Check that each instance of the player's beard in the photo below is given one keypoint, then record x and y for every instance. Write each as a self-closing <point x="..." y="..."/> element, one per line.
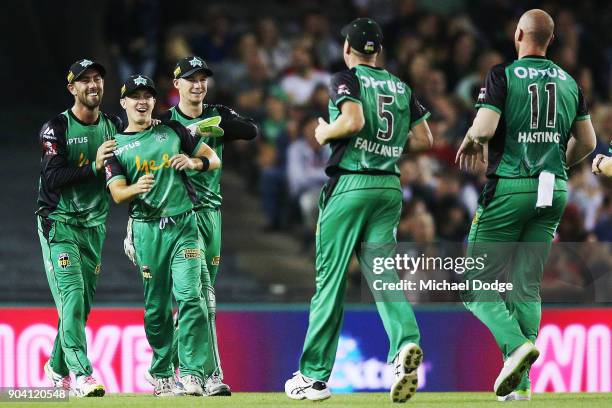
<point x="89" y="103"/>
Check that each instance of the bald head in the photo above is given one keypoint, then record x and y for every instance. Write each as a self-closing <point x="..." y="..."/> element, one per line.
<point x="537" y="28"/>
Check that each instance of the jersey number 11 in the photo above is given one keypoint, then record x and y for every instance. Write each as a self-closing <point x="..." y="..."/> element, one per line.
<point x="551" y="104"/>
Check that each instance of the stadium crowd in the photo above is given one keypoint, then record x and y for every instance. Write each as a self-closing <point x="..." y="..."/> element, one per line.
<point x="276" y="69"/>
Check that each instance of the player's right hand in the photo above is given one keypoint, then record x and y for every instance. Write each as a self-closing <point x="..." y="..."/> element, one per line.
<point x="105" y="152"/>
<point x="596" y="166"/>
<point x="144" y="184"/>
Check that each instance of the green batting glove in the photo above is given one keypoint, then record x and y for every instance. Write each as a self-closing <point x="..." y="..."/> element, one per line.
<point x="209" y="127"/>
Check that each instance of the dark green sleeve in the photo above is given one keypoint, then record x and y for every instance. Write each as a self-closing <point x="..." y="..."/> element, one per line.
<point x="189" y="143"/>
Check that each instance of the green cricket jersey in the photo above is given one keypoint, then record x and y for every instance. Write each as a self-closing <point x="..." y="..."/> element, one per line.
<point x="208" y="184"/>
<point x="538" y="103"/>
<point x="149" y="152"/>
<point x="390" y="109"/>
<point x="69" y="189"/>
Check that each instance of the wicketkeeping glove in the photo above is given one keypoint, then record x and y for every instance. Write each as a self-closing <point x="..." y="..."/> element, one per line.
<point x="128" y="243"/>
<point x="208" y="127"/>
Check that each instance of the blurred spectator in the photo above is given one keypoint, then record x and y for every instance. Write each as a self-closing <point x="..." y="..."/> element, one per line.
<point x="273" y="50"/>
<point x="469" y="86"/>
<point x="462" y="55"/>
<point x="327" y="47"/>
<point x="215" y="44"/>
<point x="302" y="79"/>
<point x="585" y="193"/>
<point x="319" y="101"/>
<point x="306" y="161"/>
<point x="132" y="29"/>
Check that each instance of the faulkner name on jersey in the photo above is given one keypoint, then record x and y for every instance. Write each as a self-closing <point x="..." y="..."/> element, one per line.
<point x="377" y="148"/>
<point x="539" y="137"/>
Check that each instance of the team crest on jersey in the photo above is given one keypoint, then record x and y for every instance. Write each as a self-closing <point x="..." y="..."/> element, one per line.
<point x="343" y="89"/>
<point x="161" y="137"/>
<point x="63" y="260"/>
<point x="216" y="260"/>
<point x="481" y="95"/>
<point x="192" y="253"/>
<point x="146" y="272"/>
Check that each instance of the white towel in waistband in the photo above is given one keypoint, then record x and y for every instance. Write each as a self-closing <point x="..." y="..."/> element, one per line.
<point x="546" y="187"/>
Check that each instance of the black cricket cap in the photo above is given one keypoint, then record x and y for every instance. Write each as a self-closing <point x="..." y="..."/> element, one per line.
<point x="80" y="66"/>
<point x="363" y="35"/>
<point x="189" y="66"/>
<point x="135" y="82"/>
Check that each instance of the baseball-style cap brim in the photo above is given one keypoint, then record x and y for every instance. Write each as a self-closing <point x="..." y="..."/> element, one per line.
<point x="189" y="73"/>
<point x="128" y="92"/>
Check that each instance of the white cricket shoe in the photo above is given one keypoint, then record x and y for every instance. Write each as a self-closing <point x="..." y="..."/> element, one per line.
<point x="162" y="386"/>
<point x="59" y="381"/>
<point x="189" y="385"/>
<point x="517" y="363"/>
<point x="518" y="395"/>
<point x="214" y="387"/>
<point x="87" y="386"/>
<point x="406" y="364"/>
<point x="300" y="387"/>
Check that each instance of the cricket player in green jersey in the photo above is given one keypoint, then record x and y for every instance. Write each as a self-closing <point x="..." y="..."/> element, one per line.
<point x="535" y="122"/>
<point x="73" y="206"/>
<point x="148" y="170"/>
<point x="371" y="113"/>
<point x="218" y="125"/>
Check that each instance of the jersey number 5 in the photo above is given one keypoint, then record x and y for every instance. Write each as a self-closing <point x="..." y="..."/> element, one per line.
<point x="385" y="116"/>
<point x="551" y="104"/>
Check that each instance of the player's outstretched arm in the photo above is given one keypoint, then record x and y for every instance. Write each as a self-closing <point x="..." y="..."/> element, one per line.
<point x="582" y="142"/>
<point x="471" y="151"/>
<point x="347" y="124"/>
<point x="122" y="192"/>
<point x="484" y="126"/>
<point x="421" y="138"/>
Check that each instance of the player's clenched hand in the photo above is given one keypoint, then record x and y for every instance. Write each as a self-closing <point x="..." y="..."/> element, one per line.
<point x="105" y="152"/>
<point x="321" y="131"/>
<point x="469" y="155"/>
<point x="182" y="162"/>
<point x="144" y="184"/>
<point x="597" y="161"/>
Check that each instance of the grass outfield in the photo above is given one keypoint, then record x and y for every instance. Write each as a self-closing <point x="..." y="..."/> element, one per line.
<point x="273" y="400"/>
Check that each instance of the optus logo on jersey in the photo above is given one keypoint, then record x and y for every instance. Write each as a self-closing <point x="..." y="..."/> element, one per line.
<point x="148" y="165"/>
<point x="523" y="72"/>
<point x="391" y="86"/>
<point x="127" y="147"/>
<point x="77" y="140"/>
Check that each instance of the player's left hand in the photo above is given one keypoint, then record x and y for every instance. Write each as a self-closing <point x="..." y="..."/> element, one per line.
<point x="470" y="155"/>
<point x="182" y="162"/>
<point x="321" y="131"/>
<point x="155" y="122"/>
